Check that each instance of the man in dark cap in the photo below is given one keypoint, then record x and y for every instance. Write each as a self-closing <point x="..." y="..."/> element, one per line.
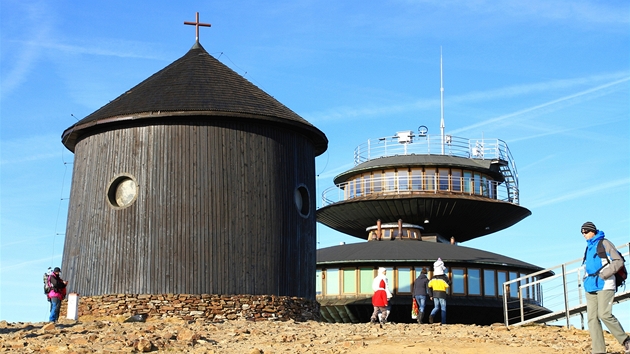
<point x="57" y="293"/>
<point x="600" y="287"/>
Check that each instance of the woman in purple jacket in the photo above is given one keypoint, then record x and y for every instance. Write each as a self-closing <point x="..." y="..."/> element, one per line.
<point x="57" y="293"/>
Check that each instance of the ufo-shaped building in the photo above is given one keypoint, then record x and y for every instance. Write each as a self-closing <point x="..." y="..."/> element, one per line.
<point x="414" y="197"/>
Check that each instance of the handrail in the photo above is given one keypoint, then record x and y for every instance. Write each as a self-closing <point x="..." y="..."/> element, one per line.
<point x="561" y="293"/>
<point x="418" y="185"/>
<point x="484" y="149"/>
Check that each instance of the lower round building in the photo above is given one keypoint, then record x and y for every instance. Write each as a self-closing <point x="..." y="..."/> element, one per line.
<point x="444" y="189"/>
<point x="345" y="273"/>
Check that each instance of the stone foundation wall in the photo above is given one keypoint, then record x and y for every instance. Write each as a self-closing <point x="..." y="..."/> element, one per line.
<point x="208" y="307"/>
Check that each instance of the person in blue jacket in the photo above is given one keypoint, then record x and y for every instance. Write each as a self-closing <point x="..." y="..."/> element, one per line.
<point x="599" y="285"/>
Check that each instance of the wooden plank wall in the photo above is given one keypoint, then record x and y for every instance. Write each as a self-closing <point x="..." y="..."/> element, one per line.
<point x="215" y="211"/>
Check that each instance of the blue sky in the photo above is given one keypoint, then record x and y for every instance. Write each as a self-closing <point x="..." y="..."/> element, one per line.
<point x="549" y="77"/>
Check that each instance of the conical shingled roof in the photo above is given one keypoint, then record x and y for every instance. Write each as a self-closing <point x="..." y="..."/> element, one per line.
<point x="195" y="84"/>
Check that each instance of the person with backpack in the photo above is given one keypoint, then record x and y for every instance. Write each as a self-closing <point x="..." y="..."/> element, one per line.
<point x="437" y="290"/>
<point x="600" y="286"/>
<point x="47" y="284"/>
<point x="56" y="294"/>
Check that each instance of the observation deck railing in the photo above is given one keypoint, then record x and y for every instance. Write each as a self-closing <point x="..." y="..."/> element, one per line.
<point x="406" y="143"/>
<point x="483" y="149"/>
<point x="387" y="186"/>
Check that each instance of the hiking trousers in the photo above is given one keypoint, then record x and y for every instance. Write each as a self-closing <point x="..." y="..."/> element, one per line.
<point x="599" y="307"/>
<point x="54" y="309"/>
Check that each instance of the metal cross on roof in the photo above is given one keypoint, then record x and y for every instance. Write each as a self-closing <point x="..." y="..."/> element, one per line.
<point x="197" y="24"/>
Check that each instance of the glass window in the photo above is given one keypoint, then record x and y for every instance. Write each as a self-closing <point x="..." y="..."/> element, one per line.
<point x="489" y="288"/>
<point x="484" y="186"/>
<point x="467" y="181"/>
<point x="390" y="181"/>
<point x="430" y="176"/>
<point x="477" y="183"/>
<point x="390" y="277"/>
<point x="416" y="180"/>
<point x="403" y="180"/>
<point x="376" y="182"/>
<point x="350" y="189"/>
<point x="513" y="286"/>
<point x="458" y="281"/>
<point x="474" y="282"/>
<point x="366" y="278"/>
<point x="332" y="281"/>
<point x="318" y="282"/>
<point x="358" y="187"/>
<point x="501" y="278"/>
<point x="492" y="189"/>
<point x="404" y="280"/>
<point x="443" y="178"/>
<point x="456" y="180"/>
<point x="349" y="281"/>
<point x="368" y="180"/>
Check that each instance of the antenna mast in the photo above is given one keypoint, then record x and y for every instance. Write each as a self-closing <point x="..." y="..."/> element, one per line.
<point x="441" y="102"/>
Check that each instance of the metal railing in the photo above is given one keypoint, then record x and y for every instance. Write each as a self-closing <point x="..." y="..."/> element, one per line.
<point x="484" y="149"/>
<point x="562" y="294"/>
<point x="415" y="185"/>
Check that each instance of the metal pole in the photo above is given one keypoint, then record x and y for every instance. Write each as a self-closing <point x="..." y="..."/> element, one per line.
<point x="505" y="306"/>
<point x="566" y="295"/>
<point x="441" y="102"/>
<point x="520" y="298"/>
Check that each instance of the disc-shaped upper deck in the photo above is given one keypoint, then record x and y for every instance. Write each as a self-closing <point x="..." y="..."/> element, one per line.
<point x="464" y="188"/>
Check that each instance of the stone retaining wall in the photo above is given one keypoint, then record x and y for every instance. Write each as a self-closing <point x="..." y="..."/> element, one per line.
<point x="192" y="307"/>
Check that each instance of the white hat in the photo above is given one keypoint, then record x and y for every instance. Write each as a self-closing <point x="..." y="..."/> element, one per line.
<point x="438" y="267"/>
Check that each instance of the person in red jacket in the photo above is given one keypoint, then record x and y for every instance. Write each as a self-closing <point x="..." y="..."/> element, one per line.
<point x="381" y="297"/>
<point x="57" y="293"/>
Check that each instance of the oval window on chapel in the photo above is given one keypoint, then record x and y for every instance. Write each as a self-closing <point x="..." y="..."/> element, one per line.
<point x="122" y="191"/>
<point x="302" y="201"/>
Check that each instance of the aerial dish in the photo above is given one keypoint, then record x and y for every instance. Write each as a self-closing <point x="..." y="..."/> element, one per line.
<point x="423" y="130"/>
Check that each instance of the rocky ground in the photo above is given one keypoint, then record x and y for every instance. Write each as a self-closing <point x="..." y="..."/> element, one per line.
<point x="114" y="336"/>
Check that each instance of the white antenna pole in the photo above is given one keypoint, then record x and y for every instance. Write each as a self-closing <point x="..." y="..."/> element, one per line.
<point x="441" y="102"/>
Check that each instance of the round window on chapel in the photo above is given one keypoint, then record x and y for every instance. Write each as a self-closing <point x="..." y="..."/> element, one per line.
<point x="302" y="201"/>
<point x="122" y="192"/>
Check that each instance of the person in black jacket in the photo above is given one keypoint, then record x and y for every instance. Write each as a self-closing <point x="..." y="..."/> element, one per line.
<point x="420" y="292"/>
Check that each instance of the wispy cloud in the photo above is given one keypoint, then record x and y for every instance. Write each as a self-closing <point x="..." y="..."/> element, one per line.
<point x="339" y="113"/>
<point x="42" y="41"/>
<point x="611" y="81"/>
<point x="527" y="89"/>
<point x="546" y="131"/>
<point x="575" y="12"/>
<point x="28" y="54"/>
<point x="112" y="48"/>
<point x="27" y="263"/>
<point x="34" y="148"/>
<point x="597" y="189"/>
<point x="574" y="98"/>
